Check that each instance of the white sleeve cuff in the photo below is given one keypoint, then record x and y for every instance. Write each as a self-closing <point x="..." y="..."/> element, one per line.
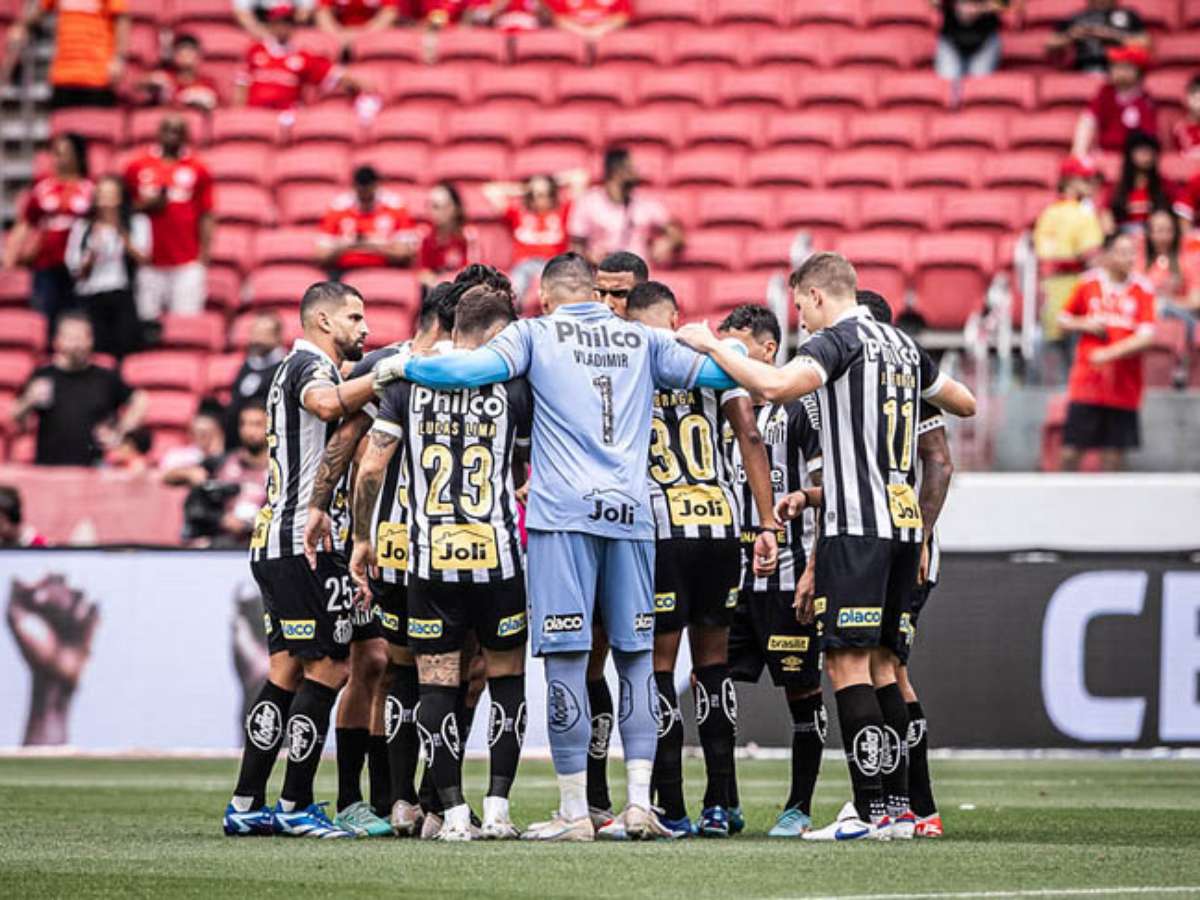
<point x="313" y="384"/>
<point x="935" y="388"/>
<point x="388" y="428"/>
<point x="813" y="363"/>
<point x="814" y="464"/>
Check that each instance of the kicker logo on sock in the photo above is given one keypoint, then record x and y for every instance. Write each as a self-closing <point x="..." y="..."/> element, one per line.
<point x="916" y="732"/>
<point x="299" y="629"/>
<point x="784" y="643"/>
<point x="561" y="624"/>
<point x="302" y="738"/>
<point x="511" y="625"/>
<point x="860" y="617"/>
<point x="868" y="750"/>
<point x="643" y="622"/>
<point x="562" y="709"/>
<point x="601" y="733"/>
<point x="664" y="603"/>
<point x="264" y="725"/>
<point x="424" y="628"/>
<point x="892" y="750"/>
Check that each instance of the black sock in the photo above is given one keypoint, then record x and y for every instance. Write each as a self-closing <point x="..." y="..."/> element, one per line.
<point x="263" y="731"/>
<point x="400" y="723"/>
<point x="380" y="771"/>
<point x="306" y="729"/>
<point x="716" y="719"/>
<point x="809" y="725"/>
<point x="506" y="731"/>
<point x="427" y="792"/>
<point x="920" y="788"/>
<point x="666" y="780"/>
<point x="735" y="797"/>
<point x="352" y="746"/>
<point x="600" y="701"/>
<point x="465" y="716"/>
<point x="895" y="764"/>
<point x="862" y="738"/>
<point x="438" y="724"/>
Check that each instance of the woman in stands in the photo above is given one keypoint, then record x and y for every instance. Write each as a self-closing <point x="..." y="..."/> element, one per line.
<point x="104" y="249"/>
<point x="447" y="242"/>
<point x="1140" y="189"/>
<point x="1176" y="277"/>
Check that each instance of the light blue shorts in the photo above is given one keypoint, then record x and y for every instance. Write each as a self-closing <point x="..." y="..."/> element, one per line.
<point x="571" y="576"/>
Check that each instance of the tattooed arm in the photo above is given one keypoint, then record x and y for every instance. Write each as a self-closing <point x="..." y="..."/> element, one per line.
<point x="937" y="467"/>
<point x="381" y="445"/>
<point x="334" y="463"/>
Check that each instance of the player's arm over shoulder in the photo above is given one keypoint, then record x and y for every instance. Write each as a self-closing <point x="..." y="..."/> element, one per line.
<point x="943" y="391"/>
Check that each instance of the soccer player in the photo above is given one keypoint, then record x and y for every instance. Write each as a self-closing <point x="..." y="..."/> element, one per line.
<point x="698" y="567"/>
<point x="869" y="378"/>
<point x="308" y="621"/>
<point x="766" y="631"/>
<point x="590" y="528"/>
<point x="465" y="564"/>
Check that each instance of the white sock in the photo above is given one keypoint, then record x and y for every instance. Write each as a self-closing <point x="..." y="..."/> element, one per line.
<point x="287" y="805"/>
<point x="572" y="790"/>
<point x="242" y="804"/>
<point x="637" y="780"/>
<point x="458" y="816"/>
<point x="495" y="809"/>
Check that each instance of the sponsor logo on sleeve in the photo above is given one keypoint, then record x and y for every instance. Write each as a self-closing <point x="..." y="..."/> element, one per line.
<point x="299" y="629"/>
<point x="860" y="617"/>
<point x="424" y="628"/>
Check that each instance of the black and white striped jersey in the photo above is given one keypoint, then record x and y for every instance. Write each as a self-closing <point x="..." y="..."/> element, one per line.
<point x="389" y="527"/>
<point x="874" y="377"/>
<point x="931" y="419"/>
<point x="462" y="509"/>
<point x="691" y="489"/>
<point x="296" y="440"/>
<point x="791" y="436"/>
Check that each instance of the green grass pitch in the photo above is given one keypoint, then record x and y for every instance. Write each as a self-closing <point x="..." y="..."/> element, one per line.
<point x="134" y="828"/>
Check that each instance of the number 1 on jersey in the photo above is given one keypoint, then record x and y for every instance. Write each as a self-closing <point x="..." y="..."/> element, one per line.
<point x="603" y="384"/>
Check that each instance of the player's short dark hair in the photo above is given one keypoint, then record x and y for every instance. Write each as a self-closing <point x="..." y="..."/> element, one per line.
<point x="570" y="269"/>
<point x="614" y="158"/>
<point x="330" y="294"/>
<point x="185" y="39"/>
<point x="831" y="272"/>
<point x="480" y="308"/>
<point x="761" y="321"/>
<point x="648" y="294"/>
<point x="624" y="261"/>
<point x="433" y="304"/>
<point x="479" y="273"/>
<point x="365" y="175"/>
<point x="880" y="309"/>
<point x="10" y="503"/>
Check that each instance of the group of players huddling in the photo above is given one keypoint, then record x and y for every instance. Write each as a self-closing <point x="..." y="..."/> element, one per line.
<point x="672" y="479"/>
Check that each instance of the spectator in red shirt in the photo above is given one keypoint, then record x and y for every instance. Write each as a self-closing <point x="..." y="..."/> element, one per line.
<point x="1140" y="189"/>
<point x="536" y="214"/>
<point x="365" y="227"/>
<point x="347" y="20"/>
<point x="179" y="83"/>
<point x="1187" y="129"/>
<point x="252" y="14"/>
<point x="447" y="242"/>
<point x="277" y="72"/>
<point x="39" y="238"/>
<point x="1121" y="106"/>
<point x="1112" y="311"/>
<point x="590" y="19"/>
<point x="174" y="189"/>
<point x="14" y="530"/>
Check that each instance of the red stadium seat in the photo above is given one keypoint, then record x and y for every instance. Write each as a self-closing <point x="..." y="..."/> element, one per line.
<point x="562" y="126"/>
<point x="281" y="285"/>
<point x="610" y="85"/>
<point x="286" y="245"/>
<point x="156" y="12"/>
<point x="722" y="126"/>
<point x="170" y="409"/>
<point x="894" y="129"/>
<point x="393" y="287"/>
<point x="103" y="125"/>
<point x="899" y="12"/>
<point x="408" y="123"/>
<point x="1175" y="50"/>
<point x="897" y="209"/>
<point x="764" y="12"/>
<point x="1163" y="14"/>
<point x="982" y="209"/>
<point x="245" y="124"/>
<point x="939" y="168"/>
<point x="189" y="12"/>
<point x="807" y="46"/>
<point x="531" y="83"/>
<point x="878" y="250"/>
<point x="327" y="122"/>
<point x="651" y="164"/>
<point x="450" y="84"/>
<point x="205" y="331"/>
<point x="396" y="161"/>
<point x="713" y="249"/>
<point x="224" y="287"/>
<point x="641" y="126"/>
<point x="223" y="41"/>
<point x="388" y="326"/>
<point x="220" y="371"/>
<point x="15" y="369"/>
<point x="390" y="45"/>
<point x="1029" y="168"/>
<point x="785" y="165"/>
<point x="305" y="204"/>
<point x="846" y="12"/>
<point x="549" y="45"/>
<point x="1191" y="13"/>
<point x="670" y="11"/>
<point x="872" y="168"/>
<point x="243" y="203"/>
<point x="725" y="166"/>
<point x="311" y="163"/>
<point x="821" y="209"/>
<point x="499" y="124"/>
<point x="688" y="288"/>
<point x="469" y="162"/>
<point x="817" y="128"/>
<point x="176" y="369"/>
<point x="1048" y="13"/>
<point x="686" y="85"/>
<point x="634" y="45"/>
<point x="1054" y="129"/>
<point x="16" y="288"/>
<point x="1168" y="87"/>
<point x="836" y="88"/>
<point x="911" y="89"/>
<point x="952" y="276"/>
<point x="963" y="128"/>
<point x="769" y="250"/>
<point x="1027" y="49"/>
<point x="879" y="50"/>
<point x="233" y="245"/>
<point x="727" y="291"/>
<point x="538" y="160"/>
<point x="143" y="125"/>
<point x="458" y="44"/>
<point x="705" y="46"/>
<point x="239" y="333"/>
<point x="1012" y="89"/>
<point x="238" y="162"/>
<point x="1070" y="89"/>
<point x="144" y="44"/>
<point x="735" y="207"/>
<point x="770" y="86"/>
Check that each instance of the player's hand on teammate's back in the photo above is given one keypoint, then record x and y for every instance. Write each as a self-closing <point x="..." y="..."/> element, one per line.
<point x="698" y="336"/>
<point x="391" y="369"/>
<point x="318" y="536"/>
<point x="363" y="569"/>
<point x="790" y="506"/>
<point x="766" y="553"/>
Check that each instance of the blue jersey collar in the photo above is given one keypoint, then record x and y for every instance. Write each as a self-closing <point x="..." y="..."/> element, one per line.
<point x="591" y="309"/>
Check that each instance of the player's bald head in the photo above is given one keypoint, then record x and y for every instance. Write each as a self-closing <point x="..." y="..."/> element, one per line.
<point x="325" y="296"/>
<point x="567" y="278"/>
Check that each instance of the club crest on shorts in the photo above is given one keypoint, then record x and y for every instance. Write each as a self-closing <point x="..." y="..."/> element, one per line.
<point x="264" y="725"/>
<point x="343" y="630"/>
<point x="601" y="735"/>
<point x="302" y="738"/>
<point x="562" y="709"/>
<point x="868" y="750"/>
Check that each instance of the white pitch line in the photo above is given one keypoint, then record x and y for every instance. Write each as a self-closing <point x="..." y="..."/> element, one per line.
<point x="1040" y="892"/>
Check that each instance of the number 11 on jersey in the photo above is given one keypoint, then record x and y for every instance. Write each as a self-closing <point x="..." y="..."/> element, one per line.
<point x="603" y="384"/>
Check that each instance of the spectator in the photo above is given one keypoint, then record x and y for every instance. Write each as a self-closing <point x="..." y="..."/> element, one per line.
<point x="517" y="15"/>
<point x="365" y="227"/>
<point x="90" y="45"/>
<point x="244" y="468"/>
<point x="264" y="353"/>
<point x="186" y="465"/>
<point x="252" y="14"/>
<point x="590" y="19"/>
<point x="277" y="72"/>
<point x="175" y="190"/>
<point x="1112" y="311"/>
<point x="447" y="242"/>
<point x="82" y="408"/>
<point x="179" y="82"/>
<point x="346" y="20"/>
<point x="536" y="216"/>
<point x="39" y="239"/>
<point x="1140" y="188"/>
<point x="969" y="42"/>
<point x="132" y="452"/>
<point x="1066" y="236"/>
<point x="14" y="531"/>
<point x="1120" y="108"/>
<point x="612" y="216"/>
<point x="1187" y="129"/>
<point x="104" y="251"/>
<point x="1100" y="28"/>
<point x="616" y="276"/>
<point x="1174" y="276"/>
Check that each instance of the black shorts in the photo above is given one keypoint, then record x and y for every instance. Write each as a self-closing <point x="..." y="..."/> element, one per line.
<point x="391" y="608"/>
<point x="311" y="614"/>
<point x="440" y="613"/>
<point x="908" y="620"/>
<point x="765" y="632"/>
<point x="1092" y="427"/>
<point x="864" y="586"/>
<point x="695" y="583"/>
